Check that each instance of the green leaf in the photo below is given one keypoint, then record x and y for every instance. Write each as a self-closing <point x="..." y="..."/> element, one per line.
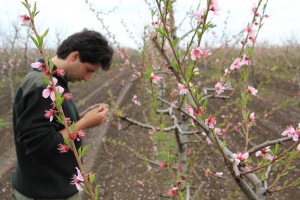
<point x="45" y="33"/>
<point x="96" y="192"/>
<point x="153" y="12"/>
<point x="36" y="13"/>
<point x="51" y="65"/>
<point x="175" y="41"/>
<point x="148" y="72"/>
<point x="73" y="128"/>
<point x="161" y="32"/>
<point x="92" y="178"/>
<point x="175" y="65"/>
<point x="35" y="41"/>
<point x="189" y="73"/>
<point x="82" y="151"/>
<point x="205" y="104"/>
<point x="34" y="9"/>
<point x="59" y="100"/>
<point x="84" y="189"/>
<point x="149" y="91"/>
<point x="40" y="40"/>
<point x="67" y="142"/>
<point x="24" y="4"/>
<point x="198" y="33"/>
<point x="59" y="119"/>
<point x="199" y="96"/>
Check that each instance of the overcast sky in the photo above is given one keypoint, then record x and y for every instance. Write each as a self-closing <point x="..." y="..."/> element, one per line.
<point x="68" y="16"/>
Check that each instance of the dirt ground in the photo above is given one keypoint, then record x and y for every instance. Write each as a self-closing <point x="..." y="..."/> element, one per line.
<point x="123" y="172"/>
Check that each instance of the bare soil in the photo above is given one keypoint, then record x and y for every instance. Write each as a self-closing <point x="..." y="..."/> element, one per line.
<point x="120" y="155"/>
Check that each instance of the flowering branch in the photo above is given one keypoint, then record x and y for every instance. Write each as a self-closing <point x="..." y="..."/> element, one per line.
<point x="55" y="92"/>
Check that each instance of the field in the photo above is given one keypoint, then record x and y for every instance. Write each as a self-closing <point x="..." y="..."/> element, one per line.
<point x="124" y="155"/>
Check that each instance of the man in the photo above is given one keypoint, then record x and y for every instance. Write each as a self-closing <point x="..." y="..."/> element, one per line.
<point x="42" y="171"/>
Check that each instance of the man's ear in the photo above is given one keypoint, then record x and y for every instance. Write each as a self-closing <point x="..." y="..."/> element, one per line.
<point x="74" y="55"/>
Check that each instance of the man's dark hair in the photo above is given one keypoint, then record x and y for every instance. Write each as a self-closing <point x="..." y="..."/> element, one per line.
<point x="91" y="45"/>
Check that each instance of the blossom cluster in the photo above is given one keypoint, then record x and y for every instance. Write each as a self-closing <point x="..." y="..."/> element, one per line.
<point x="290" y="131"/>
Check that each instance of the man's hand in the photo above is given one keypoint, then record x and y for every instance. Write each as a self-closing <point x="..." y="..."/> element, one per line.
<point x="93" y="116"/>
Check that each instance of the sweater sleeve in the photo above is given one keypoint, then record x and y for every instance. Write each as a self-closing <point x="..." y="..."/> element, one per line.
<point x="33" y="131"/>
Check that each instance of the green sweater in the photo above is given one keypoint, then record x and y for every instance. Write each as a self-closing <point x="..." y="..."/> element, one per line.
<point x="41" y="172"/>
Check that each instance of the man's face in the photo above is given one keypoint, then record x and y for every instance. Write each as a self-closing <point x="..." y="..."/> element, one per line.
<point x="78" y="71"/>
<point x="81" y="71"/>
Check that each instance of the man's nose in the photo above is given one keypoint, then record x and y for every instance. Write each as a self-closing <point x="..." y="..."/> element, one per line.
<point x="87" y="77"/>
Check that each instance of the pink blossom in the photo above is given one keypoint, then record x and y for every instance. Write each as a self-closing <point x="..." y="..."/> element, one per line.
<point x="63" y="148"/>
<point x="200" y="15"/>
<point x="250" y="29"/>
<point x="219" y="88"/>
<point x="237" y="63"/>
<point x="264" y="152"/>
<point x="252" y="118"/>
<point x="211" y="121"/>
<point x="226" y="72"/>
<point x="155" y="78"/>
<point x="199" y="111"/>
<point x="81" y="133"/>
<point x="140" y="183"/>
<point x="77" y="180"/>
<point x="219" y="174"/>
<point x="240" y="157"/>
<point x="68" y="96"/>
<point x="163" y="165"/>
<point x="126" y="62"/>
<point x="254" y="7"/>
<point x="246" y="60"/>
<point x="207" y="172"/>
<point x="36" y="65"/>
<point x="189" y="152"/>
<point x="182" y="89"/>
<point x="252" y="90"/>
<point x="49" y="114"/>
<point x="190" y="110"/>
<point x="59" y="72"/>
<point x="214" y="7"/>
<point x="206" y="53"/>
<point x="252" y="38"/>
<point x="135" y="100"/>
<point x="198" y="53"/>
<point x="68" y="121"/>
<point x="155" y="24"/>
<point x="173" y="191"/>
<point x="72" y="136"/>
<point x="180" y="182"/>
<point x="25" y="19"/>
<point x="289" y="131"/>
<point x="218" y="131"/>
<point x="46" y="72"/>
<point x="296" y="136"/>
<point x="50" y="92"/>
<point x="119" y="126"/>
<point x="208" y="141"/>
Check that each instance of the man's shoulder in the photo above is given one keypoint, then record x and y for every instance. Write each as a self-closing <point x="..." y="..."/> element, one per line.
<point x="32" y="80"/>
